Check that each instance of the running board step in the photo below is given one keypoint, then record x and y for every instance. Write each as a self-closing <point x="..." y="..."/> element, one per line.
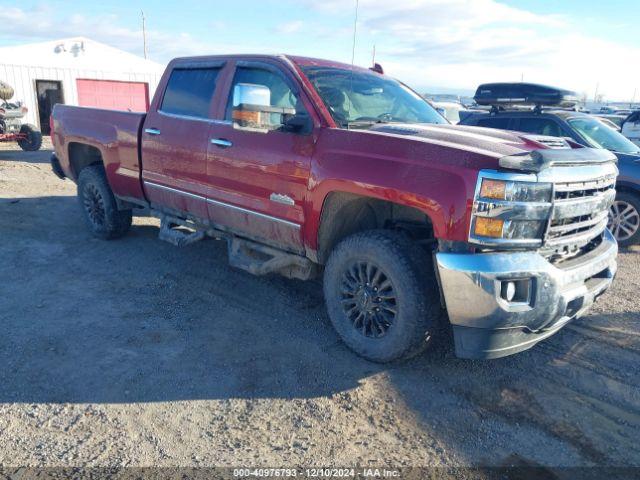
<point x="259" y="259"/>
<point x="171" y="232"/>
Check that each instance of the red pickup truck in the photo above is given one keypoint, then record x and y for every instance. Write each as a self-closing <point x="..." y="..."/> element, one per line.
<point x="310" y="167"/>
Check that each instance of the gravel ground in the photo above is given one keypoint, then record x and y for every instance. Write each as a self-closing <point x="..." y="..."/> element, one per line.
<point x="137" y="353"/>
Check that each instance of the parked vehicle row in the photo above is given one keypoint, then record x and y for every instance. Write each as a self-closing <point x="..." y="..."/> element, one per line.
<point x="310" y="167"/>
<point x="550" y="120"/>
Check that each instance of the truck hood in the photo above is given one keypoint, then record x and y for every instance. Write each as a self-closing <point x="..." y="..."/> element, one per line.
<point x="484" y="141"/>
<point x="513" y="150"/>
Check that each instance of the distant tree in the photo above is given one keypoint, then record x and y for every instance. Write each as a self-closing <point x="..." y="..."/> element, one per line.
<point x="584" y="96"/>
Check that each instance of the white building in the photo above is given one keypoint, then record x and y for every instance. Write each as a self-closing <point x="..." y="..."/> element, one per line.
<point x="77" y="71"/>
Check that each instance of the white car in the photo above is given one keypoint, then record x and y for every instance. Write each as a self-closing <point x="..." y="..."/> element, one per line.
<point x="631" y="128"/>
<point x="608" y="110"/>
<point x="449" y="110"/>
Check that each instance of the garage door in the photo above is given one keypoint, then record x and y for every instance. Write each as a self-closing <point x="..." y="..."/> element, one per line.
<point x="113" y="95"/>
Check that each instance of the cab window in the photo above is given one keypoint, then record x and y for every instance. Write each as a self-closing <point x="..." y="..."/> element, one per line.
<point x="501" y="123"/>
<point x="189" y="92"/>
<point x="280" y="93"/>
<point x="540" y="126"/>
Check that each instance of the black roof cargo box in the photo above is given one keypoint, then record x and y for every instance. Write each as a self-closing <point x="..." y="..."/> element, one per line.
<point x="497" y="94"/>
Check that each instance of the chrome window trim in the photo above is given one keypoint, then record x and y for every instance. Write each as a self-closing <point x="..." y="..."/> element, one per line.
<point x="180" y="116"/>
<point x="223" y="204"/>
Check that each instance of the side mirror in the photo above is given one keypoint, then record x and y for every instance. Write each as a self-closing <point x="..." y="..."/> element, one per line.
<point x="298" y="123"/>
<point x="252" y="109"/>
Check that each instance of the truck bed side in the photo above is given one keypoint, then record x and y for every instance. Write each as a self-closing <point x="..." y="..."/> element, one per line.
<point x="83" y="136"/>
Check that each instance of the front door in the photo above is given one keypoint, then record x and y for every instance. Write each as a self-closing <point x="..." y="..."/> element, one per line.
<point x="259" y="179"/>
<point x="49" y="93"/>
<point x="175" y="141"/>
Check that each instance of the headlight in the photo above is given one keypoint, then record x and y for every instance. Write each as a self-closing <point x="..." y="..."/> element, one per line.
<point x="510" y="212"/>
<point x="508" y="229"/>
<point x="523" y="229"/>
<point x="515" y="191"/>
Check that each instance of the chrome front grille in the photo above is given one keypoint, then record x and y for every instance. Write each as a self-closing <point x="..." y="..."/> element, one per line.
<point x="579" y="214"/>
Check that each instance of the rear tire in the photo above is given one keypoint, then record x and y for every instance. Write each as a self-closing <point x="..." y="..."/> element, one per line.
<point x="381" y="295"/>
<point x="99" y="207"/>
<point x="33" y="142"/>
<point x="624" y="219"/>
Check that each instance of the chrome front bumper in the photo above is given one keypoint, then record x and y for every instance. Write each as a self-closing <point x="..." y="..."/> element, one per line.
<point x="485" y="325"/>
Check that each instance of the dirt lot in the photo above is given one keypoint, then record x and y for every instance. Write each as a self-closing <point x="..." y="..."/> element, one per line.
<point x="134" y="352"/>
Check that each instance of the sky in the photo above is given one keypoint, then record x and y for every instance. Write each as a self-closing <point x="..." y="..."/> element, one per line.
<point x="435" y="46"/>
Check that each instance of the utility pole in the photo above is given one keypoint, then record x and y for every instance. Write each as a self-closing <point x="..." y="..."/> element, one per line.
<point x="633" y="99"/>
<point x="373" y="57"/>
<point x="355" y="29"/>
<point x="144" y="35"/>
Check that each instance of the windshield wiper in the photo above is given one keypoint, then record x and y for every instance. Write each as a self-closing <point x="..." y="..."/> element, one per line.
<point x="369" y="123"/>
<point x="362" y="123"/>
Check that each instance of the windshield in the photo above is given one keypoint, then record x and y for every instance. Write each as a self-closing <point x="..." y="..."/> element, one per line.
<point x="360" y="99"/>
<point x="601" y="136"/>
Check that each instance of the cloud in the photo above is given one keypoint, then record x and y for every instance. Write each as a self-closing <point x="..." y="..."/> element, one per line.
<point x="43" y="23"/>
<point x="290" y="27"/>
<point x="454" y="43"/>
<point x="461" y="43"/>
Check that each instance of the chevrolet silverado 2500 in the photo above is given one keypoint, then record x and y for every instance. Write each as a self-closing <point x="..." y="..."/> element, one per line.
<point x="310" y="167"/>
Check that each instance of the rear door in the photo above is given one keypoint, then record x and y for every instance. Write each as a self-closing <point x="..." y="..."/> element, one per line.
<point x="175" y="139"/>
<point x="259" y="179"/>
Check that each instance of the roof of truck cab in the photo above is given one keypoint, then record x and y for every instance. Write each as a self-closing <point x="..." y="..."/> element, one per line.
<point x="319" y="62"/>
<point x="298" y="60"/>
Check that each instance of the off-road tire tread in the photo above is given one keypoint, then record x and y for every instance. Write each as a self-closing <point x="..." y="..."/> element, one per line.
<point x="118" y="222"/>
<point x="421" y="295"/>
<point x="37" y="135"/>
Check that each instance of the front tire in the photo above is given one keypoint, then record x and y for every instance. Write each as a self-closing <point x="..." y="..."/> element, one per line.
<point x="99" y="207"/>
<point x="33" y="142"/>
<point x="624" y="219"/>
<point x="381" y="295"/>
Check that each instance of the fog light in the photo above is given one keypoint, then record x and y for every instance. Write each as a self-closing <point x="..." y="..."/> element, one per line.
<point x="488" y="227"/>
<point x="516" y="291"/>
<point x="509" y="290"/>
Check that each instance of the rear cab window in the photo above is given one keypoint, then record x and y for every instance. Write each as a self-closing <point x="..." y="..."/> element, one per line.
<point x="540" y="126"/>
<point x="189" y="92"/>
<point x="501" y="123"/>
